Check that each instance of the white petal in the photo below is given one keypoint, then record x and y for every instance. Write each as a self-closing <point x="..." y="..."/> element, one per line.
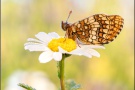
<point x="35" y="47"/>
<point x="37" y="41"/>
<point x="62" y="50"/>
<point x="75" y="52"/>
<point x="53" y="35"/>
<point x="83" y="50"/>
<point x="43" y="37"/>
<point x="90" y="52"/>
<point x="97" y="46"/>
<point x="34" y="40"/>
<point x="94" y="53"/>
<point x="57" y="56"/>
<point x="85" y="53"/>
<point x="46" y="57"/>
<point x="92" y="46"/>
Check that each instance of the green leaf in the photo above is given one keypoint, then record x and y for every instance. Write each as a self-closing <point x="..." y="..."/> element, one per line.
<point x="71" y="85"/>
<point x="26" y="86"/>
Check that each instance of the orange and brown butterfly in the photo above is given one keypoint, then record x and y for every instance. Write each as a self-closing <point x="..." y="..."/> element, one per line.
<point x="96" y="29"/>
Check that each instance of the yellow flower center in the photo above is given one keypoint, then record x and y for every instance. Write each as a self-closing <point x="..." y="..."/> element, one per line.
<point x="64" y="43"/>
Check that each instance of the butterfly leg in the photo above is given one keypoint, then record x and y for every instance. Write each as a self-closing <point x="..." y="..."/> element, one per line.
<point x="76" y="39"/>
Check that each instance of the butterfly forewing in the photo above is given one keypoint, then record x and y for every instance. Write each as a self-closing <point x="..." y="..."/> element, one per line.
<point x="96" y="29"/>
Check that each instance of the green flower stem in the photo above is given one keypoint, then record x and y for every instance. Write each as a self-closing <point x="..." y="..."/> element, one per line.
<point x="61" y="71"/>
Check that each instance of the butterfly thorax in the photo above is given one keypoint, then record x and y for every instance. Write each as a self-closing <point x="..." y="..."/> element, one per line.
<point x="69" y="31"/>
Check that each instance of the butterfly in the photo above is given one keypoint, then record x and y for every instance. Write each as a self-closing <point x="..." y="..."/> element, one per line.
<point x="96" y="29"/>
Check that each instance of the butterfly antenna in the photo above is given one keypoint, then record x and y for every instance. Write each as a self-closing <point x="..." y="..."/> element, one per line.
<point x="69" y="15"/>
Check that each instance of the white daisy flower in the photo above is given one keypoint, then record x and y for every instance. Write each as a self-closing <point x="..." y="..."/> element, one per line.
<point x="53" y="46"/>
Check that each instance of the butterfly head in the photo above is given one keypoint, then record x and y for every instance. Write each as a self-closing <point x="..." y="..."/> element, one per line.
<point x="64" y="25"/>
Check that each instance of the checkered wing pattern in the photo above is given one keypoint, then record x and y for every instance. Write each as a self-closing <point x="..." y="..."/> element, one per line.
<point x="96" y="29"/>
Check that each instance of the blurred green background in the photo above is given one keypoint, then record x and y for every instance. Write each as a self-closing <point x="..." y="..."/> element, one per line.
<point x="21" y="19"/>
